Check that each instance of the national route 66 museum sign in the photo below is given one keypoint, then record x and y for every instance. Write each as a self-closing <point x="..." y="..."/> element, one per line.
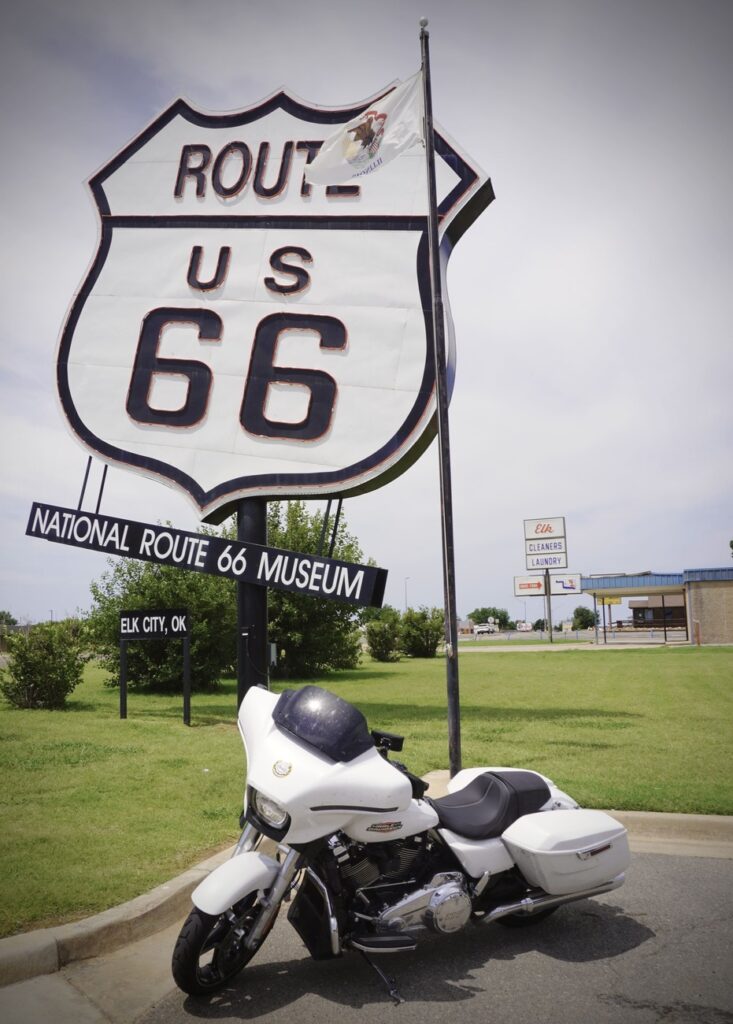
<point x="242" y="332"/>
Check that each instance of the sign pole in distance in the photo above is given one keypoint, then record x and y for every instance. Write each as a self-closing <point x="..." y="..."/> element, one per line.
<point x="446" y="498"/>
<point x="123" y="678"/>
<point x="187" y="680"/>
<point x="549" y="603"/>
<point x="251" y="603"/>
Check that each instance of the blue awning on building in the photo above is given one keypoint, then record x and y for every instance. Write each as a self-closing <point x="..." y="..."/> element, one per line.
<point x="643" y="583"/>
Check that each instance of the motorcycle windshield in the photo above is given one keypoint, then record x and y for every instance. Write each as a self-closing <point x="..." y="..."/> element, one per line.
<point x="324" y="721"/>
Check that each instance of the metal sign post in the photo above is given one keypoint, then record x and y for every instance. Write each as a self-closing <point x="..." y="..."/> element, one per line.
<point x="252" y="651"/>
<point x="123" y="678"/>
<point x="548" y="598"/>
<point x="545" y="548"/>
<point x="446" y="494"/>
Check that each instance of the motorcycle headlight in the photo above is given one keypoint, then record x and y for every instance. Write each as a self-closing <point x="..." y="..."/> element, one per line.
<point x="270" y="811"/>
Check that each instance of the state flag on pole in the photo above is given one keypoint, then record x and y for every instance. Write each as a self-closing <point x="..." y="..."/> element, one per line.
<point x="387" y="128"/>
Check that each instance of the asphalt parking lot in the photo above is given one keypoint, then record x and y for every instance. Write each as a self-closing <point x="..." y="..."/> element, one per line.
<point x="658" y="949"/>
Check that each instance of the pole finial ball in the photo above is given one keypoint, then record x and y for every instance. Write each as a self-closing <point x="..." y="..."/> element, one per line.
<point x="423" y="22"/>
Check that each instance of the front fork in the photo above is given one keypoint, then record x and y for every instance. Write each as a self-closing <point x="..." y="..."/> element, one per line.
<point x="272" y="899"/>
<point x="248" y="840"/>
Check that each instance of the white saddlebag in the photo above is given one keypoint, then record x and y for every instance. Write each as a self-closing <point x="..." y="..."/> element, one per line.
<point x="568" y="851"/>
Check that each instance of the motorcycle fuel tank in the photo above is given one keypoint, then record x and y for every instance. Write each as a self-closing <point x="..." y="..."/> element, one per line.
<point x="378" y="828"/>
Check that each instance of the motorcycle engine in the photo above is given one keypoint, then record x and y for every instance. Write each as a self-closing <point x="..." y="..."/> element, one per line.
<point x="443" y="905"/>
<point x="361" y="866"/>
<point x="383" y="876"/>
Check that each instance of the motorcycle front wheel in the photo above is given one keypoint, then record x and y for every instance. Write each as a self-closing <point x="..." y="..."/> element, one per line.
<point x="210" y="950"/>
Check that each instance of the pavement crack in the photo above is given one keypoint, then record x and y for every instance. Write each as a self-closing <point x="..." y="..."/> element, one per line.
<point x="678" y="1012"/>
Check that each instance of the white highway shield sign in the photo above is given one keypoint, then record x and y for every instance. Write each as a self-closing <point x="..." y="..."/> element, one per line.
<point x="241" y="332"/>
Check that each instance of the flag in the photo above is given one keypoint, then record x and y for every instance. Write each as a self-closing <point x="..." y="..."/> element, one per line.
<point x="387" y="128"/>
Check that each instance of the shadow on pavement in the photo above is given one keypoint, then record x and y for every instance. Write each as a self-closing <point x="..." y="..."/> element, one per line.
<point x="439" y="971"/>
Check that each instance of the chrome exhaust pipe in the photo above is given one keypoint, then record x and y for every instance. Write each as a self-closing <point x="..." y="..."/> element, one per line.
<point x="532" y="904"/>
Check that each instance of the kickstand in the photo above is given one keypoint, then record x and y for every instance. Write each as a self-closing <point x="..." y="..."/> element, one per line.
<point x="389" y="983"/>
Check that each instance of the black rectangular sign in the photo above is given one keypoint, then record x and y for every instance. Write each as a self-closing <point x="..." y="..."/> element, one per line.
<point x="314" y="575"/>
<point x="147" y="623"/>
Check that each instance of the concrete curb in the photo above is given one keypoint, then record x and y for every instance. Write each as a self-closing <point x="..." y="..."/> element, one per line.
<point x="49" y="949"/>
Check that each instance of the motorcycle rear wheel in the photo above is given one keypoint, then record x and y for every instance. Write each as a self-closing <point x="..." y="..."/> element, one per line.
<point x="210" y="950"/>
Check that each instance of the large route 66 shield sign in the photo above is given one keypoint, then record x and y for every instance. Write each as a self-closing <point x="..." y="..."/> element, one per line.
<point x="242" y="332"/>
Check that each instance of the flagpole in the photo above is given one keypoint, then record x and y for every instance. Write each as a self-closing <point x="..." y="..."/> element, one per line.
<point x="446" y="499"/>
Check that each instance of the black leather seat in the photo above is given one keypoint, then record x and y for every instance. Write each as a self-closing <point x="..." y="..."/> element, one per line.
<point x="491" y="802"/>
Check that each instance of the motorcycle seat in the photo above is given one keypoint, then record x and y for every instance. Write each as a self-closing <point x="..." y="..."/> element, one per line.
<point x="490" y="803"/>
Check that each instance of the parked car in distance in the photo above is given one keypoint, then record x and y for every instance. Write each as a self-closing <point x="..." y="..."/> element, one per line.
<point x="482" y="628"/>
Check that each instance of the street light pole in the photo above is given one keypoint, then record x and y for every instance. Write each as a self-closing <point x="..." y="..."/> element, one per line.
<point x="406" y="579"/>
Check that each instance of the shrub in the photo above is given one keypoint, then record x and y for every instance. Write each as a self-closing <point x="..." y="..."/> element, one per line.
<point x="46" y="664"/>
<point x="383" y="635"/>
<point x="422" y="630"/>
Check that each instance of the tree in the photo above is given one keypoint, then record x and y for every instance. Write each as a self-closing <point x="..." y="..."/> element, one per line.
<point x="478" y="615"/>
<point x="313" y="635"/>
<point x="46" y="664"/>
<point x="383" y="634"/>
<point x="484" y="614"/>
<point x="584" y="618"/>
<point x="158" y="664"/>
<point x="6" y="619"/>
<point x="539" y="625"/>
<point x="422" y="630"/>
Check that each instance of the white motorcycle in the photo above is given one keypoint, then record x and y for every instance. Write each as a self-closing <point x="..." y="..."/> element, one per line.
<point x="366" y="859"/>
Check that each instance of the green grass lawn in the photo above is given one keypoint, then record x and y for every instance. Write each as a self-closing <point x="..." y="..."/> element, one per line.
<point x="95" y="810"/>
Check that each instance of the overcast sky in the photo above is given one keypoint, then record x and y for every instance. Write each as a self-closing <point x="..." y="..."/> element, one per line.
<point x="592" y="300"/>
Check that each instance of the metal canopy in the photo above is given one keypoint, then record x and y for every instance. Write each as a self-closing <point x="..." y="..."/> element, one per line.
<point x="645" y="583"/>
<point x="635" y="585"/>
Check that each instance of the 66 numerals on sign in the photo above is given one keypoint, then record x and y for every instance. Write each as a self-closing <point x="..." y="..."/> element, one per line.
<point x="262" y="372"/>
<point x="228" y="563"/>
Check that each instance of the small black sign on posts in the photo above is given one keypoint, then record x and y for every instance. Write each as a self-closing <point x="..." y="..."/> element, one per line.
<point x="156" y="623"/>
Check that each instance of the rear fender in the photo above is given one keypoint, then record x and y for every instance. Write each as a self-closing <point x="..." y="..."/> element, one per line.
<point x="233" y="880"/>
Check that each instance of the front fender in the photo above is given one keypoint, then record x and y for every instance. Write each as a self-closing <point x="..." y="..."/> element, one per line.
<point x="233" y="880"/>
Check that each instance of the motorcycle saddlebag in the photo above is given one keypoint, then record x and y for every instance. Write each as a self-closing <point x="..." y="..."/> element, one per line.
<point x="568" y="851"/>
